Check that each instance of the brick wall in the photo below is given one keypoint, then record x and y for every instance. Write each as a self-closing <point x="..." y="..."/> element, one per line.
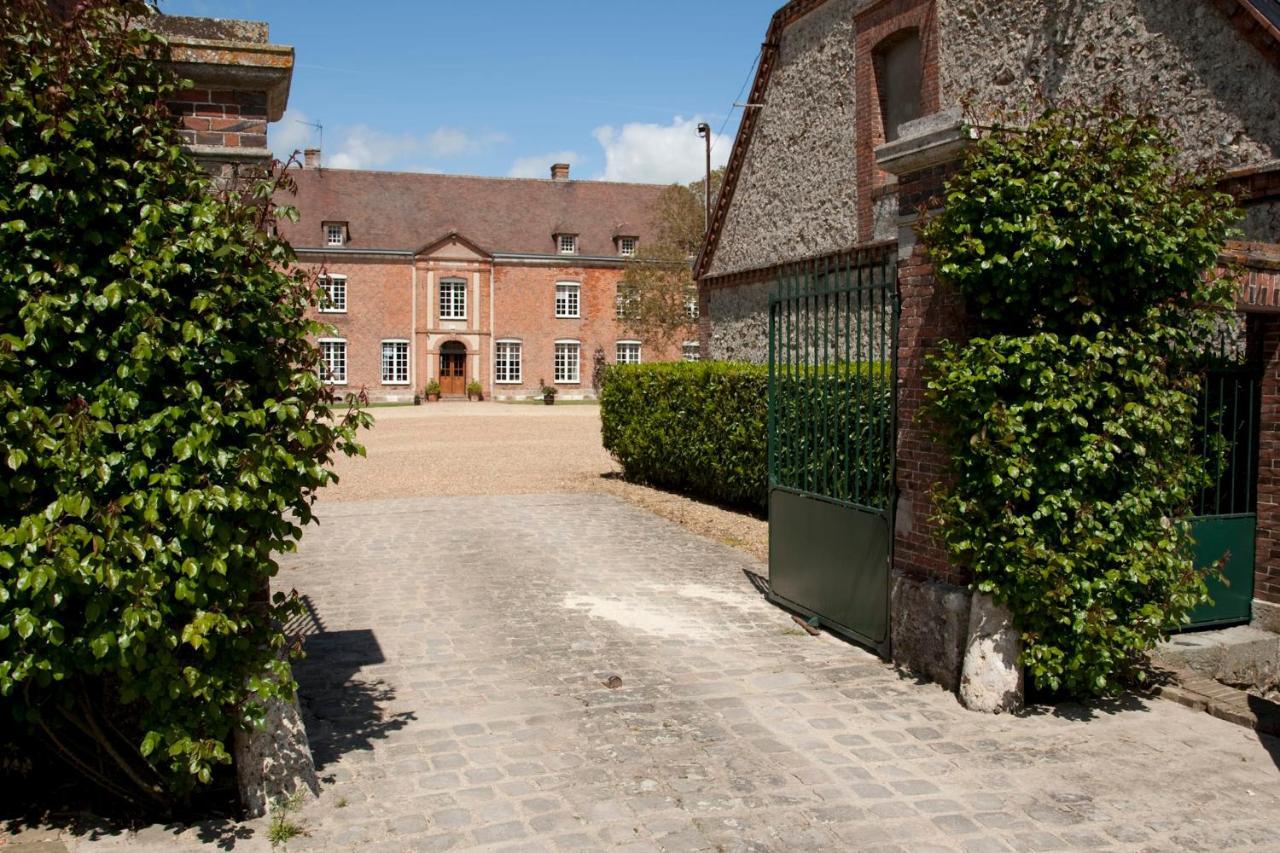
<point x="1266" y="586"/>
<point x="378" y="308"/>
<point x="930" y="312"/>
<point x="524" y="303"/>
<point x="221" y="117"/>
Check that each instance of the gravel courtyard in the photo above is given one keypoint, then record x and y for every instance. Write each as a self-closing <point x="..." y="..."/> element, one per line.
<point x="503" y="657"/>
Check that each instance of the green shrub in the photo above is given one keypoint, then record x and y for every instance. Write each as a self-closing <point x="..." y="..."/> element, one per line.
<point x="163" y="430"/>
<point x="702" y="429"/>
<point x="699" y="428"/>
<point x="1082" y="252"/>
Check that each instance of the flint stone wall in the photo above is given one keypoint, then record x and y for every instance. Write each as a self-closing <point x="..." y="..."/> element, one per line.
<point x="740" y="331"/>
<point x="1262" y="221"/>
<point x="797" y="193"/>
<point x="1183" y="59"/>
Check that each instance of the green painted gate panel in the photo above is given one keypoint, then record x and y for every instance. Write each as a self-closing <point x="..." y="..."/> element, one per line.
<point x="830" y="561"/>
<point x="1232" y="537"/>
<point x="1225" y="523"/>
<point x="833" y="326"/>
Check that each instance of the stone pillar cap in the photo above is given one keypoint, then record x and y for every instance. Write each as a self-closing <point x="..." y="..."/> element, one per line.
<point x="928" y="141"/>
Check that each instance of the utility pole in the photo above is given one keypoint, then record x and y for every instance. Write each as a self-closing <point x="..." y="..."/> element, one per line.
<point x="704" y="130"/>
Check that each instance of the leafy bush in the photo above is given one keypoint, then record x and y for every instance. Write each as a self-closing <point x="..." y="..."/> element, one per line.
<point x="701" y="428"/>
<point x="162" y="427"/>
<point x="1082" y="252"/>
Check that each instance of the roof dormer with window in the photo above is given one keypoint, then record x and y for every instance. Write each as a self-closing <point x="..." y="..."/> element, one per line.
<point x="335" y="234"/>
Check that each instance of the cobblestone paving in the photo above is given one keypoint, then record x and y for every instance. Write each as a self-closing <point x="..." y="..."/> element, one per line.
<point x="455" y="698"/>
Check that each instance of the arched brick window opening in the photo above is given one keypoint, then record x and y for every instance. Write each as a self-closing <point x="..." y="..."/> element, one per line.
<point x="898" y="79"/>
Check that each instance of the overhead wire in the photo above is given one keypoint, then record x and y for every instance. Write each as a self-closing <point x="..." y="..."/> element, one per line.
<point x="734" y="105"/>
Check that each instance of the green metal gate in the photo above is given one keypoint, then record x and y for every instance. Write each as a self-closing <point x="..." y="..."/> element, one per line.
<point x="1226" y="513"/>
<point x="833" y="329"/>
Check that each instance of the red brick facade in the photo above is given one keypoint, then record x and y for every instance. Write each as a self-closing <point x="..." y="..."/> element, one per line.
<point x="398" y="299"/>
<point x="499" y="247"/>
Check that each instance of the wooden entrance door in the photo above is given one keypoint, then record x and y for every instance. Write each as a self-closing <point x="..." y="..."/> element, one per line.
<point x="453" y="370"/>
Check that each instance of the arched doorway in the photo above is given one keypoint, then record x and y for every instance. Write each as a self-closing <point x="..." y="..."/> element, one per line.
<point x="453" y="369"/>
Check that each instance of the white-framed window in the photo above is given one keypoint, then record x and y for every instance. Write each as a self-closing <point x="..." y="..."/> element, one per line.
<point x="507" y="362"/>
<point x="335" y="234"/>
<point x="568" y="244"/>
<point x="622" y="302"/>
<point x="333" y="361"/>
<point x="691" y="351"/>
<point x="568" y="299"/>
<point x="628" y="352"/>
<point x="568" y="362"/>
<point x="691" y="306"/>
<point x="453" y="299"/>
<point x="395" y="362"/>
<point x="333" y="294"/>
<point x="627" y="246"/>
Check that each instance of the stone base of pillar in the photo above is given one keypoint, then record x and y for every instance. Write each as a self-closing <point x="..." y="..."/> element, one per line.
<point x="1266" y="616"/>
<point x="274" y="763"/>
<point x="991" y="680"/>
<point x="930" y="622"/>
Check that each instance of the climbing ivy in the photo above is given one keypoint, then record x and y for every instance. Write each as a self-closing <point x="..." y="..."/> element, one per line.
<point x="163" y="431"/>
<point x="1086" y="257"/>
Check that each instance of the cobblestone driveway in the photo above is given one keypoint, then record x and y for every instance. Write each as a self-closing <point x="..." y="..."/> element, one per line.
<point x="455" y="700"/>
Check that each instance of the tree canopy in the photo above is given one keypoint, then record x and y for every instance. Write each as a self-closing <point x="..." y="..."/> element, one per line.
<point x="658" y="296"/>
<point x="163" y="430"/>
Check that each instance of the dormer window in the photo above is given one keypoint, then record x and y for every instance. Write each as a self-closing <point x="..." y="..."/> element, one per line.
<point x="627" y="246"/>
<point x="335" y="234"/>
<point x="568" y="244"/>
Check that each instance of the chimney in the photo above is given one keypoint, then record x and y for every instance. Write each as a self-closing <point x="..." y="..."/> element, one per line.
<point x="560" y="172"/>
<point x="311" y="158"/>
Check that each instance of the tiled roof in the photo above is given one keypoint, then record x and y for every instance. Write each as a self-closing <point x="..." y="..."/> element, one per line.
<point x="407" y="211"/>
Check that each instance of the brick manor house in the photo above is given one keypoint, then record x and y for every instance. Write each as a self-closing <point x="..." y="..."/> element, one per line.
<point x="501" y="281"/>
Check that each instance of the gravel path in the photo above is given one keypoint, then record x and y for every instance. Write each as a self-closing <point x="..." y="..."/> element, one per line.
<point x="445" y="449"/>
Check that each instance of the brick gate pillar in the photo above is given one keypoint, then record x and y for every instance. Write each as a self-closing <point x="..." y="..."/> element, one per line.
<point x="1262" y="276"/>
<point x="930" y="601"/>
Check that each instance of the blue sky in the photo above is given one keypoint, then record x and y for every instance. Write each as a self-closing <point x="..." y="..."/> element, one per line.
<point x="504" y="87"/>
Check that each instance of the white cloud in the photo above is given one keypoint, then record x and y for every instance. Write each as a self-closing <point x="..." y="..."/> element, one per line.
<point x="291" y="134"/>
<point x="658" y="153"/>
<point x="363" y="147"/>
<point x="539" y="165"/>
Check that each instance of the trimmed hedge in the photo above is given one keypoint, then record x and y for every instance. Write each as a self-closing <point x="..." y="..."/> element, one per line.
<point x="701" y="429"/>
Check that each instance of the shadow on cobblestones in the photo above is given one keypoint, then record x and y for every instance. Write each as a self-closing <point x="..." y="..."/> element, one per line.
<point x="344" y="712"/>
<point x="1081" y="712"/>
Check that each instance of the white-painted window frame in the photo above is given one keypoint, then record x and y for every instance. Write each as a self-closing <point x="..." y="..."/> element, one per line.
<point x="571" y="289"/>
<point x="499" y="361"/>
<point x="569" y="346"/>
<point x="325" y="363"/>
<point x="692" y="310"/>
<point x="627" y="246"/>
<point x="567" y="244"/>
<point x="453" y="286"/>
<point x="629" y="346"/>
<point x="335" y="234"/>
<point x="399" y="345"/>
<point x="329" y="305"/>
<point x="691" y="348"/>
